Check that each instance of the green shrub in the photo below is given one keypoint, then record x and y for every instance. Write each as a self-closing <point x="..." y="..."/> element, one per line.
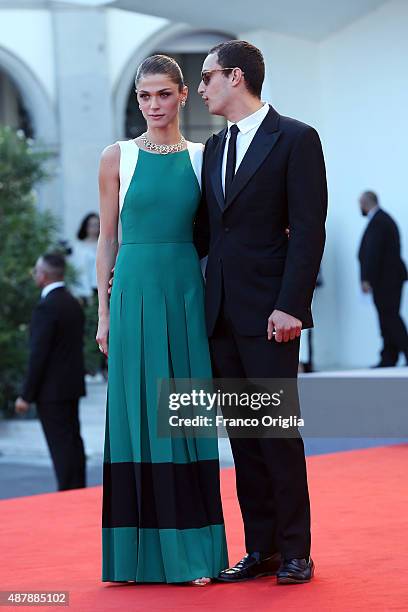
<point x="94" y="361"/>
<point x="25" y="233"/>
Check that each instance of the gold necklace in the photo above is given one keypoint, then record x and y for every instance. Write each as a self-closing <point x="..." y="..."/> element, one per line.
<point x="163" y="149"/>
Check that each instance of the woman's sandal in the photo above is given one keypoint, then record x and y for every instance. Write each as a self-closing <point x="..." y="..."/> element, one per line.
<point x="200" y="581"/>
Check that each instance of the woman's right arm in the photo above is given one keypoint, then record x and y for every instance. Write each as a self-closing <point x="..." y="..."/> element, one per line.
<point x="108" y="237"/>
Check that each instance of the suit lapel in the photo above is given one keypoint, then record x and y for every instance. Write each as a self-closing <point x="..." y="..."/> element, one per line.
<point x="215" y="168"/>
<point x="263" y="142"/>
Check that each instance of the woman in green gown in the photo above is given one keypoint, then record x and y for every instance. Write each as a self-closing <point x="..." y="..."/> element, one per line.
<point x="162" y="517"/>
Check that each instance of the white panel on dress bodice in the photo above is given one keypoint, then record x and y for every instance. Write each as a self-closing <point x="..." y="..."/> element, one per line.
<point x="129" y="152"/>
<point x="196" y="150"/>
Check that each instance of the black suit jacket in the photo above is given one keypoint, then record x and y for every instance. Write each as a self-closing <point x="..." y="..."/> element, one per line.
<point x="56" y="366"/>
<point x="280" y="182"/>
<point x="380" y="253"/>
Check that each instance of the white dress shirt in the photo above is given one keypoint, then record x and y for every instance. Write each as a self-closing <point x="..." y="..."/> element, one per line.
<point x="46" y="290"/>
<point x="247" y="130"/>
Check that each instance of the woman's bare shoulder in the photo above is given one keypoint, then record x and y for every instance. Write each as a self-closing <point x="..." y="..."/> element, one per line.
<point x="110" y="158"/>
<point x="111" y="152"/>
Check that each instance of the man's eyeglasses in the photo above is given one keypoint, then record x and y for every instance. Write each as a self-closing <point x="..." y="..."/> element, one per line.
<point x="206" y="74"/>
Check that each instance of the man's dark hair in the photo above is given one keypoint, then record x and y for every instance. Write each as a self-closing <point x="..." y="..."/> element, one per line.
<point x="55" y="264"/>
<point x="241" y="54"/>
<point x="372" y="197"/>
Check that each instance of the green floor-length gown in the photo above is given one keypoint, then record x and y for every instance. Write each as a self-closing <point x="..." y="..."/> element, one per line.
<point x="162" y="517"/>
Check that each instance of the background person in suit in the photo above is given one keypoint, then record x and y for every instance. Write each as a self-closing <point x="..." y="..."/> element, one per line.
<point x="263" y="174"/>
<point x="306" y="352"/>
<point x="383" y="274"/>
<point x="55" y="378"/>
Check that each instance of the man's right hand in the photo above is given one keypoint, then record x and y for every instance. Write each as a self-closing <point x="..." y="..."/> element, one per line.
<point x="21" y="406"/>
<point x="283" y="327"/>
<point x="111" y="281"/>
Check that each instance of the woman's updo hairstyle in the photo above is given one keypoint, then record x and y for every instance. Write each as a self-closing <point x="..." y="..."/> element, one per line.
<point x="161" y="64"/>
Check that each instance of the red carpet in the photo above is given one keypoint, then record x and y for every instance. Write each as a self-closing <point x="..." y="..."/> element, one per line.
<point x="360" y="545"/>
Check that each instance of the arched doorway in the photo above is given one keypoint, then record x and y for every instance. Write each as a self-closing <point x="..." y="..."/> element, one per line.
<point x="25" y="104"/>
<point x="189" y="47"/>
<point x="37" y="111"/>
<point x="13" y="111"/>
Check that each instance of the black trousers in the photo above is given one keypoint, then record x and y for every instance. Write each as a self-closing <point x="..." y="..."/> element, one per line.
<point x="60" y="423"/>
<point x="393" y="330"/>
<point x="270" y="472"/>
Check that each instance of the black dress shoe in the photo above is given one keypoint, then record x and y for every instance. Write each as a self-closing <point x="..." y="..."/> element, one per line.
<point x="253" y="565"/>
<point x="295" y="571"/>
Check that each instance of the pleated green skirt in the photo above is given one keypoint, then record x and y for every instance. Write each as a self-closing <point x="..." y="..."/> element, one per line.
<point x="162" y="517"/>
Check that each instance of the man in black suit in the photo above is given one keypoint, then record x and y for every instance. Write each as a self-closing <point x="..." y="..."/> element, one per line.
<point x="55" y="378"/>
<point x="383" y="274"/>
<point x="264" y="173"/>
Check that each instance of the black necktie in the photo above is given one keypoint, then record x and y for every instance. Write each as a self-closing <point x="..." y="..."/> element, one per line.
<point x="231" y="159"/>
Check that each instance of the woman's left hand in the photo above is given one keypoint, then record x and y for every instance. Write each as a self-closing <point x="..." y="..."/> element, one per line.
<point x="102" y="334"/>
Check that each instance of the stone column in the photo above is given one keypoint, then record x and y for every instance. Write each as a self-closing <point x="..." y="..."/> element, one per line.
<point x="84" y="106"/>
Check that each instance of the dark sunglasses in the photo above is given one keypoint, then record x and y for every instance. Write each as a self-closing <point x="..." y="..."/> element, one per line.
<point x="207" y="74"/>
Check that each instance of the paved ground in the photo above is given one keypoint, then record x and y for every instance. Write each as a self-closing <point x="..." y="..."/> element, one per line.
<point x="25" y="467"/>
